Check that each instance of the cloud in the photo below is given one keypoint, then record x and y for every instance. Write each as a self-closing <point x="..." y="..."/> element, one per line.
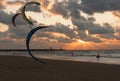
<point x="116" y="13"/>
<point x="92" y="6"/>
<point x="2" y="3"/>
<point x="87" y="24"/>
<point x="32" y="7"/>
<point x="64" y="40"/>
<point x="15" y="2"/>
<point x="11" y="44"/>
<point x="79" y="21"/>
<point x="73" y="7"/>
<point x="59" y="29"/>
<point x="45" y="3"/>
<point x="97" y="29"/>
<point x="88" y="38"/>
<point x="107" y="36"/>
<point x="84" y="24"/>
<point x="19" y="33"/>
<point x="60" y="8"/>
<point x="67" y="8"/>
<point x="92" y="39"/>
<point x="5" y="17"/>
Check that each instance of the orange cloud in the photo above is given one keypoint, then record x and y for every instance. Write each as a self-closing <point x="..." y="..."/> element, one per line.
<point x="81" y="45"/>
<point x="15" y="3"/>
<point x="116" y="13"/>
<point x="2" y="3"/>
<point x="45" y="3"/>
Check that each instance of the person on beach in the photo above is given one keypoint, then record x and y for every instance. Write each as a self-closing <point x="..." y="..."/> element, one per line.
<point x="98" y="56"/>
<point x="13" y="53"/>
<point x="72" y="53"/>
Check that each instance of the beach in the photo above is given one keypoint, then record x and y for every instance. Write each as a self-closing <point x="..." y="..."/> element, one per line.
<point x="21" y="68"/>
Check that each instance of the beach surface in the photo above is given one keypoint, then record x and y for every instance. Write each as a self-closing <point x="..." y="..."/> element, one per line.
<point x="20" y="68"/>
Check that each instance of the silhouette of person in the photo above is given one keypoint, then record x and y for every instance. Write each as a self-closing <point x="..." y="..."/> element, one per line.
<point x="98" y="56"/>
<point x="72" y="53"/>
<point x="13" y="53"/>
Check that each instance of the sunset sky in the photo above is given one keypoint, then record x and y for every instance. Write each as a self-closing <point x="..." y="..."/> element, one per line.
<point x="73" y="24"/>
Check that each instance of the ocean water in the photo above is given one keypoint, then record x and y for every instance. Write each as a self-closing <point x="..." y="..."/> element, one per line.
<point x="107" y="57"/>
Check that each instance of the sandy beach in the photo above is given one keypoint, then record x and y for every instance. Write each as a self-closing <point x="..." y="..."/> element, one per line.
<point x="19" y="68"/>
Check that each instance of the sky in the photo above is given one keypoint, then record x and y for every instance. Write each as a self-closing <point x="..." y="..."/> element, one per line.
<point x="72" y="24"/>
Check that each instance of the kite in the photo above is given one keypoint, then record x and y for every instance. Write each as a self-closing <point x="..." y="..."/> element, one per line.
<point x="23" y="12"/>
<point x="14" y="17"/>
<point x="30" y="34"/>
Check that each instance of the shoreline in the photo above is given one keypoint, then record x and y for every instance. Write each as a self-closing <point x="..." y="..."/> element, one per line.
<point x="13" y="68"/>
<point x="100" y="61"/>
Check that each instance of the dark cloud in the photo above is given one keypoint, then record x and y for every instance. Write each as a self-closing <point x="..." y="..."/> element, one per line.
<point x="73" y="7"/>
<point x="43" y="34"/>
<point x="19" y="33"/>
<point x="92" y="39"/>
<point x="92" y="6"/>
<point x="97" y="29"/>
<point x="60" y="29"/>
<point x="82" y="34"/>
<point x="80" y="23"/>
<point x="60" y="8"/>
<point x="107" y="36"/>
<point x="117" y="35"/>
<point x="67" y="8"/>
<point x="17" y="2"/>
<point x="4" y="34"/>
<point x="11" y="44"/>
<point x="88" y="38"/>
<point x="87" y="24"/>
<point x="64" y="40"/>
<point x="5" y="17"/>
<point x="92" y="19"/>
<point x="83" y="24"/>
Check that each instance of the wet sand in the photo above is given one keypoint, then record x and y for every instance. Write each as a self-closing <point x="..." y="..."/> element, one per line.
<point x="19" y="68"/>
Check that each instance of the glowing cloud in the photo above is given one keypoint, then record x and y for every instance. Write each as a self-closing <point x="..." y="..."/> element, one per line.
<point x="2" y="3"/>
<point x="3" y="27"/>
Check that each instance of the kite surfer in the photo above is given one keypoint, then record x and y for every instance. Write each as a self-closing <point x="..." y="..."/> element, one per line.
<point x="98" y="56"/>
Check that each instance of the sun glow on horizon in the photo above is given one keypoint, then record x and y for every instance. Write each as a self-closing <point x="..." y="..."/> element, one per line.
<point x="80" y="41"/>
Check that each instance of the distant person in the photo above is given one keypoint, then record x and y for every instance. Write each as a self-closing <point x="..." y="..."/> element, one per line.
<point x="13" y="53"/>
<point x="72" y="53"/>
<point x="98" y="56"/>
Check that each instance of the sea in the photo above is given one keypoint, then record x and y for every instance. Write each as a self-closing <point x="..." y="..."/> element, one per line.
<point x="106" y="56"/>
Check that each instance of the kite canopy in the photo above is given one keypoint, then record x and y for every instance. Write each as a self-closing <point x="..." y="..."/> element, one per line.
<point x="14" y="17"/>
<point x="23" y="11"/>
<point x="30" y="34"/>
